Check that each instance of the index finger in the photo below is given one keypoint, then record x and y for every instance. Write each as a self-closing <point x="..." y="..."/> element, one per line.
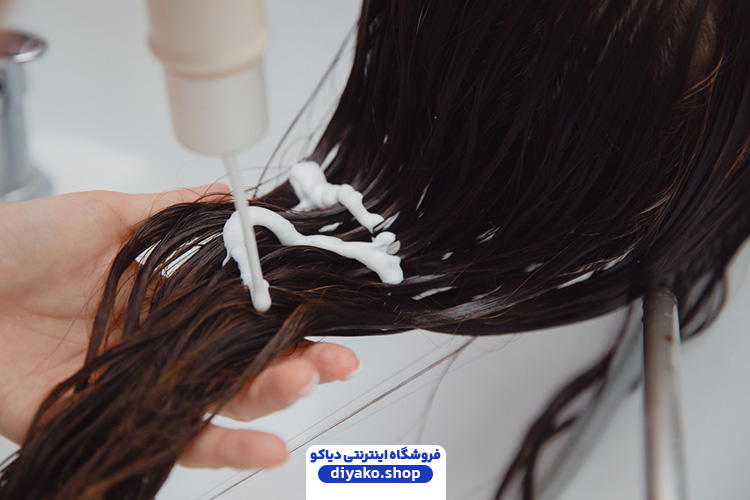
<point x="333" y="361"/>
<point x="150" y="204"/>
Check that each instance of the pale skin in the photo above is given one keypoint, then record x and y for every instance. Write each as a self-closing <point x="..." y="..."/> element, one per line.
<point x="54" y="257"/>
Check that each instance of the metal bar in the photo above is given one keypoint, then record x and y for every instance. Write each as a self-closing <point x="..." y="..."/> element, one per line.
<point x="665" y="454"/>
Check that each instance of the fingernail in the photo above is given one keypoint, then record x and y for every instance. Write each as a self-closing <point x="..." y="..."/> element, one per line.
<point x="354" y="372"/>
<point x="308" y="389"/>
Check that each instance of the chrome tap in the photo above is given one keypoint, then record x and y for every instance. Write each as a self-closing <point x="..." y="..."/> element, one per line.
<point x="19" y="179"/>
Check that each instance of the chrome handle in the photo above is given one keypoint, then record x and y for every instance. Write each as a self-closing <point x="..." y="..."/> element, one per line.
<point x="665" y="448"/>
<point x="19" y="179"/>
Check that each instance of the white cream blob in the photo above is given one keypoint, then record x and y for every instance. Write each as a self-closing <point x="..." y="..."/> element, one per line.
<point x="314" y="191"/>
<point x="256" y="284"/>
<point x="374" y="255"/>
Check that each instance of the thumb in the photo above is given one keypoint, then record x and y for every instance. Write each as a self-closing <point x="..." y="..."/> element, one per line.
<point x="138" y="207"/>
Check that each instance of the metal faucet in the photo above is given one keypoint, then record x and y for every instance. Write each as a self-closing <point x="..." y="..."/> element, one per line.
<point x="19" y="179"/>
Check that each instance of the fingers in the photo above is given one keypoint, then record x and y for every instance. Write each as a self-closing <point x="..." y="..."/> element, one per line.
<point x="292" y="377"/>
<point x="210" y="192"/>
<point x="242" y="449"/>
<point x="333" y="361"/>
<point x="153" y="203"/>
<point x="135" y="208"/>
<point x="275" y="389"/>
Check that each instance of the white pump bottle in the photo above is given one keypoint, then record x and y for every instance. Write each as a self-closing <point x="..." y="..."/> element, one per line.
<point x="212" y="56"/>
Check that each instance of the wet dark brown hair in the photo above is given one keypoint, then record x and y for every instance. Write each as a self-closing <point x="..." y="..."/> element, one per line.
<point x="515" y="147"/>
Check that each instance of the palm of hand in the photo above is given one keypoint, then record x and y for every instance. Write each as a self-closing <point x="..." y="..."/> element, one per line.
<point x="55" y="256"/>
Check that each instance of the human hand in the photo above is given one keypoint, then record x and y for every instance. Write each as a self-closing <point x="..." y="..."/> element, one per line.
<point x="55" y="255"/>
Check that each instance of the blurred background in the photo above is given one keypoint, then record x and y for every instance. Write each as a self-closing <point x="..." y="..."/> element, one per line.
<point x="97" y="118"/>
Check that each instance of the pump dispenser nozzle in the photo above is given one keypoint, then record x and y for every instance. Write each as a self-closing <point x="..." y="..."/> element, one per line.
<point x="212" y="56"/>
